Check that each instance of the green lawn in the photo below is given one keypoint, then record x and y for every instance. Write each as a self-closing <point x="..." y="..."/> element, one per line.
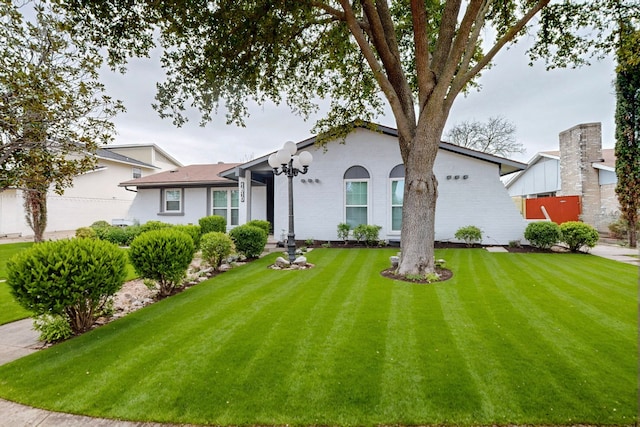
<point x="10" y="310"/>
<point x="510" y="339"/>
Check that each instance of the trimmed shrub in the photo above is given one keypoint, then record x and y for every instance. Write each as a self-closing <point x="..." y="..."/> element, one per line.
<point x="86" y="233"/>
<point x="367" y="233"/>
<point x="71" y="278"/>
<point x="470" y="234"/>
<point x="212" y="223"/>
<point x="164" y="256"/>
<point x="52" y="328"/>
<point x="542" y="234"/>
<point x="249" y="240"/>
<point x="100" y="224"/>
<point x="619" y="229"/>
<point x="261" y="223"/>
<point x="216" y="247"/>
<point x="343" y="231"/>
<point x="154" y="225"/>
<point x="577" y="234"/>
<point x="193" y="231"/>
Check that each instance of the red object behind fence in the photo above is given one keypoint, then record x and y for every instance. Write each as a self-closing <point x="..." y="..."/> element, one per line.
<point x="560" y="209"/>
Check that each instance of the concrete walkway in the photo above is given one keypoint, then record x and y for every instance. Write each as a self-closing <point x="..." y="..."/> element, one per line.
<point x="18" y="339"/>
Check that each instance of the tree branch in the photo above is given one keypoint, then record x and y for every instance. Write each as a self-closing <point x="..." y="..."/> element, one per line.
<point x="461" y="80"/>
<point x="387" y="88"/>
<point x="425" y="77"/>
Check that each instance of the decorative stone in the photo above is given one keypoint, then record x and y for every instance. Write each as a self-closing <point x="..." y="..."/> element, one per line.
<point x="301" y="260"/>
<point x="395" y="260"/>
<point x="282" y="263"/>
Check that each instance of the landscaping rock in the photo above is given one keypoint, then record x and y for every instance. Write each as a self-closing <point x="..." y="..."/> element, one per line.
<point x="301" y="260"/>
<point x="282" y="263"/>
<point x="395" y="260"/>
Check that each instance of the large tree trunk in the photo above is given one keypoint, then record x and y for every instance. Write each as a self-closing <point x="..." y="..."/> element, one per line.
<point x="419" y="205"/>
<point x="633" y="234"/>
<point x="35" y="206"/>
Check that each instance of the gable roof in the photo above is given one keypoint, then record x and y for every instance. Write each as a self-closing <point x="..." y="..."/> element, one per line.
<point x="608" y="162"/>
<point x="506" y="166"/>
<point x="185" y="176"/>
<point x="105" y="153"/>
<point x="150" y="145"/>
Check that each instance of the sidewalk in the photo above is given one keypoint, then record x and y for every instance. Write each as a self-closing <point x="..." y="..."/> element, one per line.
<point x="18" y="339"/>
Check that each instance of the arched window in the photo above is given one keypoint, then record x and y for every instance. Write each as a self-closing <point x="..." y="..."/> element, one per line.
<point x="356" y="196"/>
<point x="396" y="177"/>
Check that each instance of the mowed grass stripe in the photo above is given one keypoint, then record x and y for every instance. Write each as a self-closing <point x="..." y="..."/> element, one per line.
<point x="519" y="346"/>
<point x="334" y="344"/>
<point x="578" y="346"/>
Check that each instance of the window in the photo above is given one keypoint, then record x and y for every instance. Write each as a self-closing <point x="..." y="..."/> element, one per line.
<point x="356" y="192"/>
<point x="173" y="200"/>
<point x="396" y="177"/>
<point x="136" y="172"/>
<point x="225" y="204"/>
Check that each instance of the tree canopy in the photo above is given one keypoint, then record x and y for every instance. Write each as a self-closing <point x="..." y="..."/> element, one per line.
<point x="53" y="110"/>
<point x="415" y="55"/>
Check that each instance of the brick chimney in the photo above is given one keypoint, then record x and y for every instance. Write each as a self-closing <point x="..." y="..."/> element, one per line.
<point x="580" y="146"/>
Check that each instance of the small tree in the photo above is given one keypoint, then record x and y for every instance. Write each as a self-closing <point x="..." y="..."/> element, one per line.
<point x="71" y="278"/>
<point x="496" y="136"/>
<point x="164" y="256"/>
<point x="53" y="110"/>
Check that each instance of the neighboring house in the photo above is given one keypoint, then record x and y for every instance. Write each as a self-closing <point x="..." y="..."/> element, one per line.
<point x="184" y="195"/>
<point x="577" y="182"/>
<point x="94" y="196"/>
<point x="358" y="181"/>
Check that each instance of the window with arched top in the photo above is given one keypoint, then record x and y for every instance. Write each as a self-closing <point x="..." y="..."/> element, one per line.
<point x="396" y="178"/>
<point x="356" y="196"/>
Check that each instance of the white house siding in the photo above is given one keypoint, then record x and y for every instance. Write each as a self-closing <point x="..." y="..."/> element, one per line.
<point x="11" y="213"/>
<point x="147" y="205"/>
<point x="94" y="196"/>
<point x="480" y="200"/>
<point x="259" y="203"/>
<point x="541" y="178"/>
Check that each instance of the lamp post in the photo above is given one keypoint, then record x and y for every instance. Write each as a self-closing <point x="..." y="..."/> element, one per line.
<point x="286" y="162"/>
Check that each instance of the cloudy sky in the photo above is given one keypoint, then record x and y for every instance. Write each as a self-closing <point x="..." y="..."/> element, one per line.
<point x="540" y="103"/>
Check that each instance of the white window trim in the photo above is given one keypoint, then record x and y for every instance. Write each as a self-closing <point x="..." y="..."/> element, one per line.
<point x="228" y="208"/>
<point x="391" y="206"/>
<point x="163" y="205"/>
<point x="344" y="198"/>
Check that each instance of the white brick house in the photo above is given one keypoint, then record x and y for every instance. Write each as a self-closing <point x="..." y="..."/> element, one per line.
<point x="361" y="180"/>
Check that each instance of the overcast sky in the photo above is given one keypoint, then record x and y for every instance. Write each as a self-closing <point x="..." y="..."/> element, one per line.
<point x="540" y="103"/>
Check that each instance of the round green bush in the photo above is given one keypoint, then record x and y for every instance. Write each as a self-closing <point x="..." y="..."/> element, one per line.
<point x="261" y="223"/>
<point x="249" y="240"/>
<point x="216" y="247"/>
<point x="578" y="234"/>
<point x="154" y="225"/>
<point x="162" y="255"/>
<point x="470" y="234"/>
<point x="193" y="231"/>
<point x="212" y="223"/>
<point x="86" y="233"/>
<point x="71" y="278"/>
<point x="542" y="234"/>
